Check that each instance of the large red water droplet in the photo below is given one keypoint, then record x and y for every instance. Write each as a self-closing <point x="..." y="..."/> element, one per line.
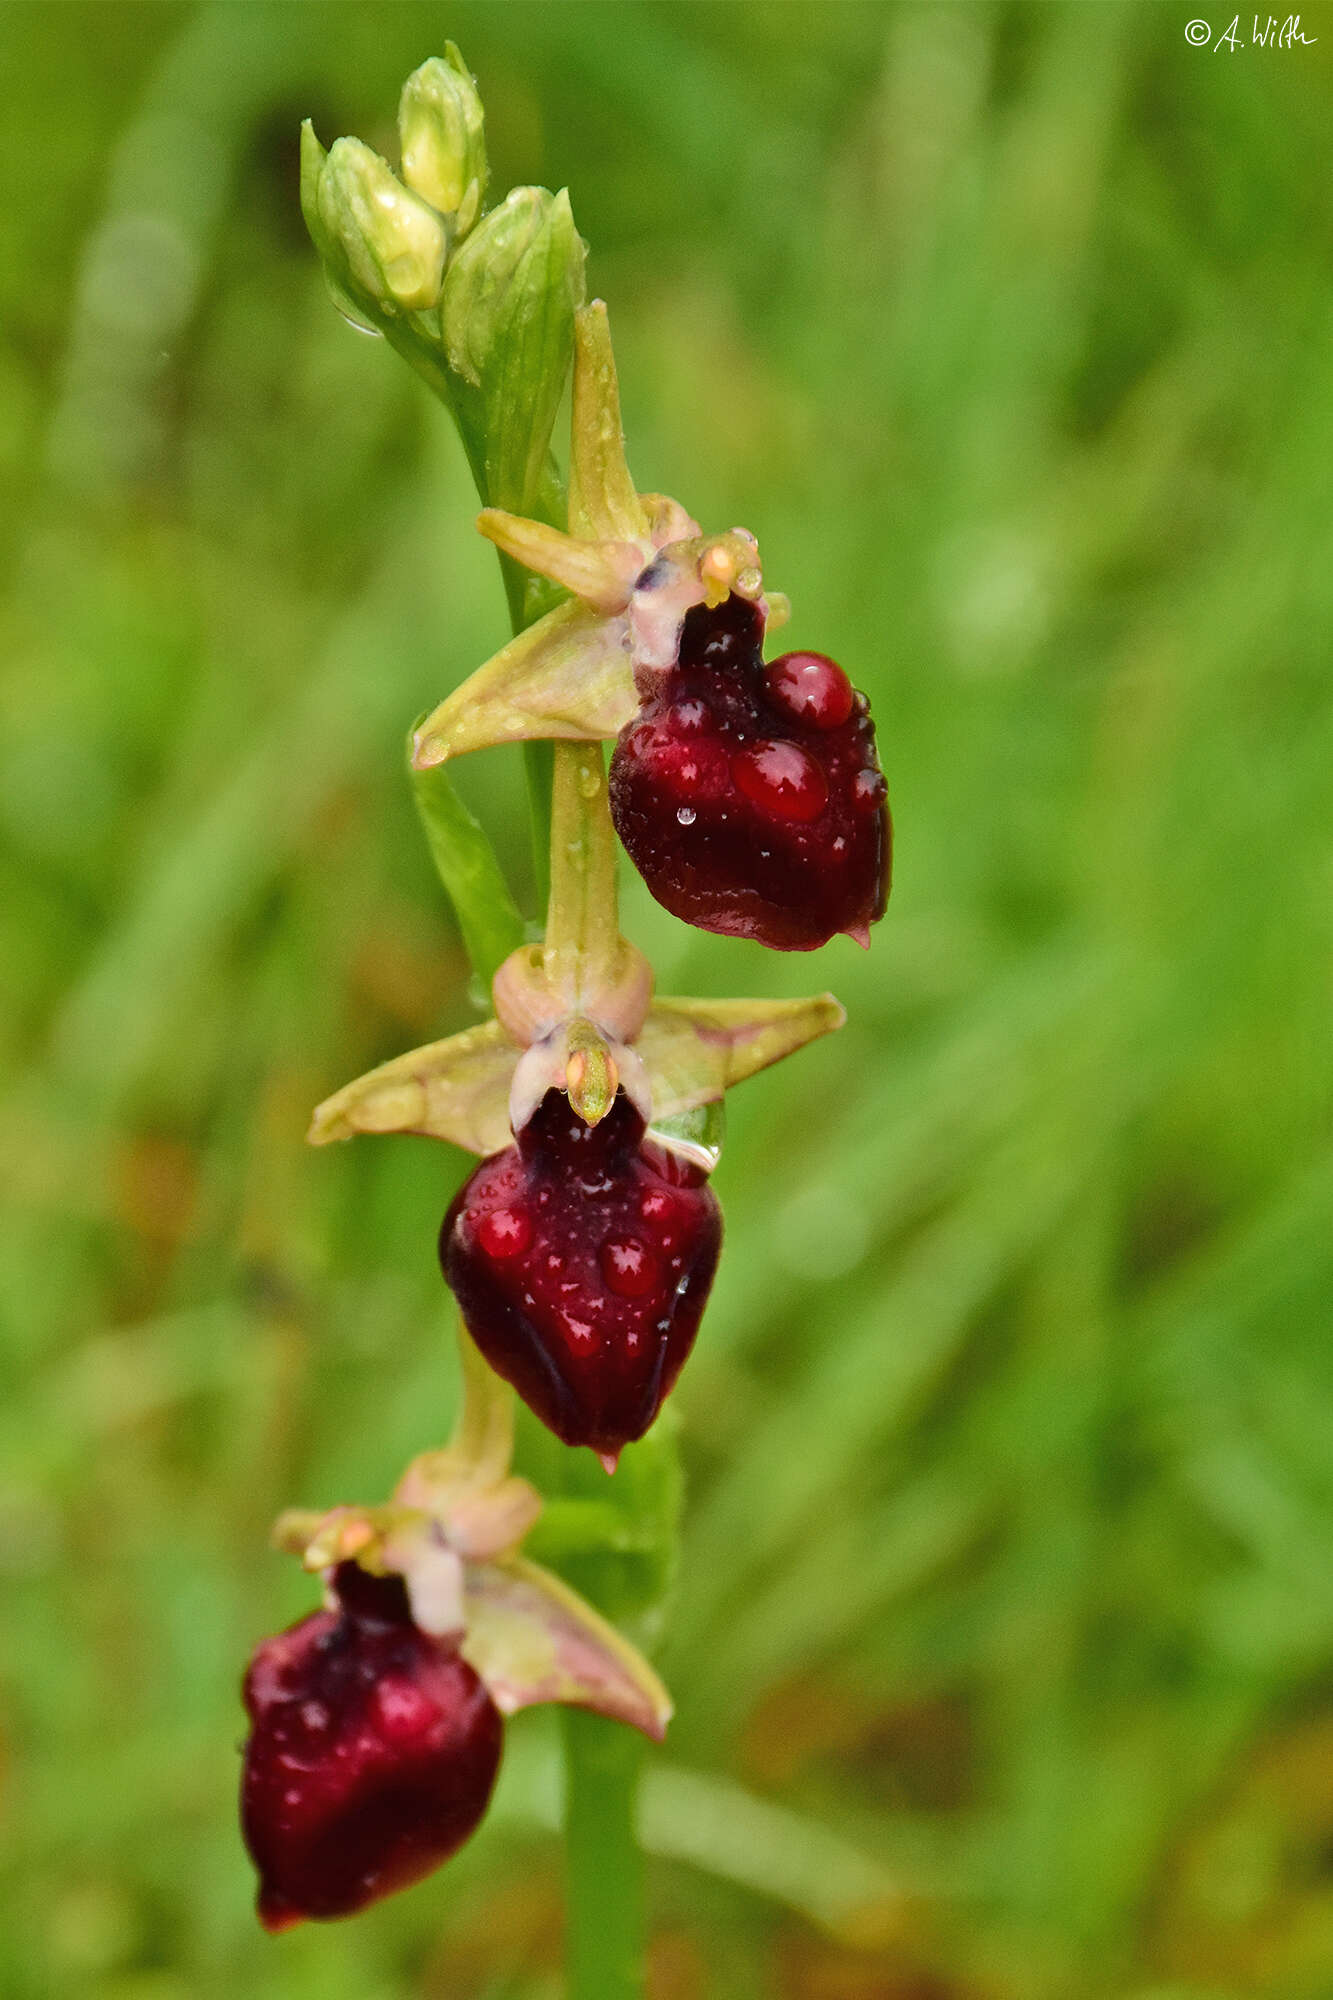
<point x="629" y="1267"/>
<point x="504" y="1232"/>
<point x="782" y="779"/>
<point x="869" y="789"/>
<point x="812" y="688"/>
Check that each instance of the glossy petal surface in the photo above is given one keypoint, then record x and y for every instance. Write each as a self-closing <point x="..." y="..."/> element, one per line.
<point x="372" y="1753"/>
<point x="582" y="1257"/>
<point x="751" y="799"/>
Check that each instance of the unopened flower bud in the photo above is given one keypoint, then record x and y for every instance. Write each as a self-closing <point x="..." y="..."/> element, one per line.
<point x="391" y="244"/>
<point x="440" y="126"/>
<point x="507" y="313"/>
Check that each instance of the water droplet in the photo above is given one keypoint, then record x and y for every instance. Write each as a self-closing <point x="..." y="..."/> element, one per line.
<point x="361" y="326"/>
<point x="505" y="1232"/>
<point x="869" y="788"/>
<point x="351" y="312"/>
<point x="782" y="779"/>
<point x="685" y="815"/>
<point x="629" y="1267"/>
<point x="812" y="688"/>
<point x="695" y="1136"/>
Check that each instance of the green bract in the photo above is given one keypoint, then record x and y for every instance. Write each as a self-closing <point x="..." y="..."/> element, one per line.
<point x="507" y="319"/>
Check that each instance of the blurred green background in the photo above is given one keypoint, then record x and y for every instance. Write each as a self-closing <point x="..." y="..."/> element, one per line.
<point x="1003" y="1641"/>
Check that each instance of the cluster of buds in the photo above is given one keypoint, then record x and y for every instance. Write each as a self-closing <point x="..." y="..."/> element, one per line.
<point x="582" y="1248"/>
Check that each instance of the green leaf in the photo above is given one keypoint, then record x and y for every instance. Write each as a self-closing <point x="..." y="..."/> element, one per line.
<point x="715" y="1824"/>
<point x="602" y="501"/>
<point x="488" y="916"/>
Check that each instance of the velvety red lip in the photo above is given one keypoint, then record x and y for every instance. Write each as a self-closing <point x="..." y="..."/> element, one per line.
<point x="750" y="798"/>
<point x="581" y="1258"/>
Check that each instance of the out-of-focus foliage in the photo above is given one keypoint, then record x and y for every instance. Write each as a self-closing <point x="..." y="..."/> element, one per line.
<point x="1003" y="1640"/>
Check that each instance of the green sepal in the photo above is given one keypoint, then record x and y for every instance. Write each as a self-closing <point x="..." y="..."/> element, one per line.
<point x="690" y="1050"/>
<point x="694" y="1050"/>
<point x="457" y="1089"/>
<point x="532" y="1639"/>
<point x="507" y="318"/>
<point x="488" y="917"/>
<point x="567" y="676"/>
<point x="313" y="156"/>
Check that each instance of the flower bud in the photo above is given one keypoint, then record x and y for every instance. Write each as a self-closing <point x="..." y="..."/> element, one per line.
<point x="440" y="126"/>
<point x="507" y="313"/>
<point x="385" y="244"/>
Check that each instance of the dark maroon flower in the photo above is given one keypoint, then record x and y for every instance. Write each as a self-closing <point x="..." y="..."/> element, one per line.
<point x="371" y="1757"/>
<point x="750" y="798"/>
<point x="581" y="1258"/>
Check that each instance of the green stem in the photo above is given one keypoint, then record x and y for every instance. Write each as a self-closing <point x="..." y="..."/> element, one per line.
<point x="604" y="1864"/>
<point x="484" y="1431"/>
<point x="583" y="941"/>
<point x="539" y="768"/>
<point x="525" y="605"/>
<point x="577" y="871"/>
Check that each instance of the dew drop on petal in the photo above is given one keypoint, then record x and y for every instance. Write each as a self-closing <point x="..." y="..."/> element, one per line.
<point x="811" y="688"/>
<point x="869" y="788"/>
<point x="629" y="1267"/>
<point x="504" y="1232"/>
<point x="782" y="779"/>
